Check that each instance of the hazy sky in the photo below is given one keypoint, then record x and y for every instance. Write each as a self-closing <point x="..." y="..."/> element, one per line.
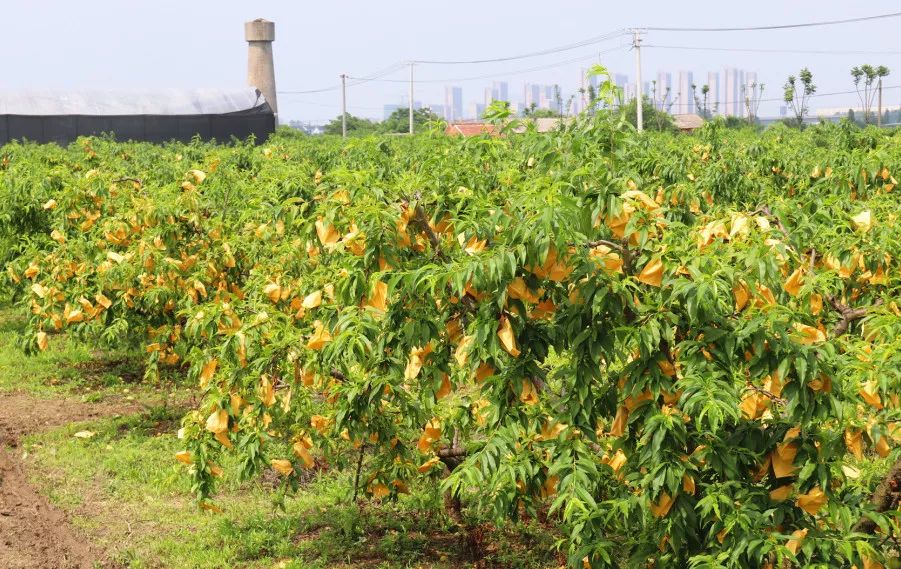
<point x="200" y="43"/>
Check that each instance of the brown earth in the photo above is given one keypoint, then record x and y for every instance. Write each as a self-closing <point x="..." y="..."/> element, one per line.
<point x="34" y="534"/>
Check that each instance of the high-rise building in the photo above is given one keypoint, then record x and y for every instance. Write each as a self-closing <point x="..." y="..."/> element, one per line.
<point x="531" y="95"/>
<point x="389" y="110"/>
<point x="732" y="92"/>
<point x="621" y="80"/>
<point x="713" y="96"/>
<point x="499" y="91"/>
<point x="685" y="100"/>
<point x="664" y="95"/>
<point x="453" y="103"/>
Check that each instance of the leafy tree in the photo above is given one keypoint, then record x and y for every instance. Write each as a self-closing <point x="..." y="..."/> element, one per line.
<point x="798" y="94"/>
<point x="752" y="97"/>
<point x="592" y="93"/>
<point x="867" y="80"/>
<point x="684" y="351"/>
<point x="736" y="122"/>
<point x="399" y="121"/>
<point x="702" y="103"/>
<point x="356" y="126"/>
<point x="536" y="113"/>
<point x="654" y="118"/>
<point x="289" y="131"/>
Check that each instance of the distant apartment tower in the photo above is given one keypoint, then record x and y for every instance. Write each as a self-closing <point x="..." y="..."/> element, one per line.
<point x="531" y="95"/>
<point x="733" y="105"/>
<point x="453" y="103"/>
<point x="389" y="110"/>
<point x="664" y="95"/>
<point x="500" y="91"/>
<point x="684" y="97"/>
<point x="621" y="80"/>
<point x="488" y="97"/>
<point x="713" y="96"/>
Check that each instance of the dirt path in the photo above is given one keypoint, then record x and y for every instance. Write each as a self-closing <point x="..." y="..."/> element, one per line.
<point x="33" y="533"/>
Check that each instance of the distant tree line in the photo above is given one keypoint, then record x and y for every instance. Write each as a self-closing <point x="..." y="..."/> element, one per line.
<point x="396" y="123"/>
<point x="797" y="91"/>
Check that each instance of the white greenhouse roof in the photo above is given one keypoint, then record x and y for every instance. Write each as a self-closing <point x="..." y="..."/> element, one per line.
<point x="44" y="102"/>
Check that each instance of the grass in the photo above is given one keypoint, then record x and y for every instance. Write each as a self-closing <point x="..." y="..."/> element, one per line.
<point x="67" y="367"/>
<point x="124" y="489"/>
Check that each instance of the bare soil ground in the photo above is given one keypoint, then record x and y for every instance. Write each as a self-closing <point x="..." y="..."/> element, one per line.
<point x="33" y="533"/>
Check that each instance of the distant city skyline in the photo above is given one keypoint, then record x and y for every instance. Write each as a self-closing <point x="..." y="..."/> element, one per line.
<point x="311" y="53"/>
<point x="675" y="91"/>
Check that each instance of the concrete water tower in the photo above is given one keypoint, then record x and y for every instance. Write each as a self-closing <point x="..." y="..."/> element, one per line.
<point x="260" y="34"/>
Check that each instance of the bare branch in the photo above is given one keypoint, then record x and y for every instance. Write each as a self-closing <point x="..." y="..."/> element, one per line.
<point x="770" y="395"/>
<point x="765" y="209"/>
<point x="605" y="243"/>
<point x="848" y="314"/>
<point x="885" y="498"/>
<point x="422" y="221"/>
<point x="136" y="180"/>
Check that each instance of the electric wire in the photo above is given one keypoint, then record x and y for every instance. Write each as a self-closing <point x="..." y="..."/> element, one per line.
<point x="379" y="75"/>
<point x="766" y="50"/>
<point x="777" y="26"/>
<point x="782" y="99"/>
<point x="507" y="73"/>
<point x="569" y="47"/>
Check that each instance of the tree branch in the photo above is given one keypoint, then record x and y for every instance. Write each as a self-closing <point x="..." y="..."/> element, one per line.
<point x="885" y="498"/>
<point x="357" y="476"/>
<point x="628" y="258"/>
<point x="765" y="209"/>
<point x="419" y="217"/>
<point x="136" y="180"/>
<point x="848" y="314"/>
<point x="605" y="243"/>
<point x="772" y="396"/>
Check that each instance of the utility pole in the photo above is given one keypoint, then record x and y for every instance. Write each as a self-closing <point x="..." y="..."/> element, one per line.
<point x="343" y="105"/>
<point x="639" y="97"/>
<point x="411" y="98"/>
<point x="879" y="116"/>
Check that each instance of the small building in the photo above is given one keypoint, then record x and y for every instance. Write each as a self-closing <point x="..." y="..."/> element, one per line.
<point x="470" y="129"/>
<point x="688" y="122"/>
<point x="476" y="128"/>
<point x="153" y="116"/>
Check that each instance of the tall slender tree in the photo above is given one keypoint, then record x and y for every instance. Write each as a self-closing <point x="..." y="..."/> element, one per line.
<point x="798" y="91"/>
<point x="866" y="82"/>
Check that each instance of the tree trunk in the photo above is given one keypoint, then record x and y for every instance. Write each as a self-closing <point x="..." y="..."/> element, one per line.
<point x="886" y="497"/>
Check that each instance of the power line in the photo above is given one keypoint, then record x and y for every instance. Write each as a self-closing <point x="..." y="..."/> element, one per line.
<point x="397" y="66"/>
<point x="774" y="99"/>
<point x="358" y="81"/>
<point x="378" y="74"/>
<point x="336" y="104"/>
<point x="569" y="47"/>
<point x="765" y="50"/>
<point x="507" y="73"/>
<point x="778" y="26"/>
